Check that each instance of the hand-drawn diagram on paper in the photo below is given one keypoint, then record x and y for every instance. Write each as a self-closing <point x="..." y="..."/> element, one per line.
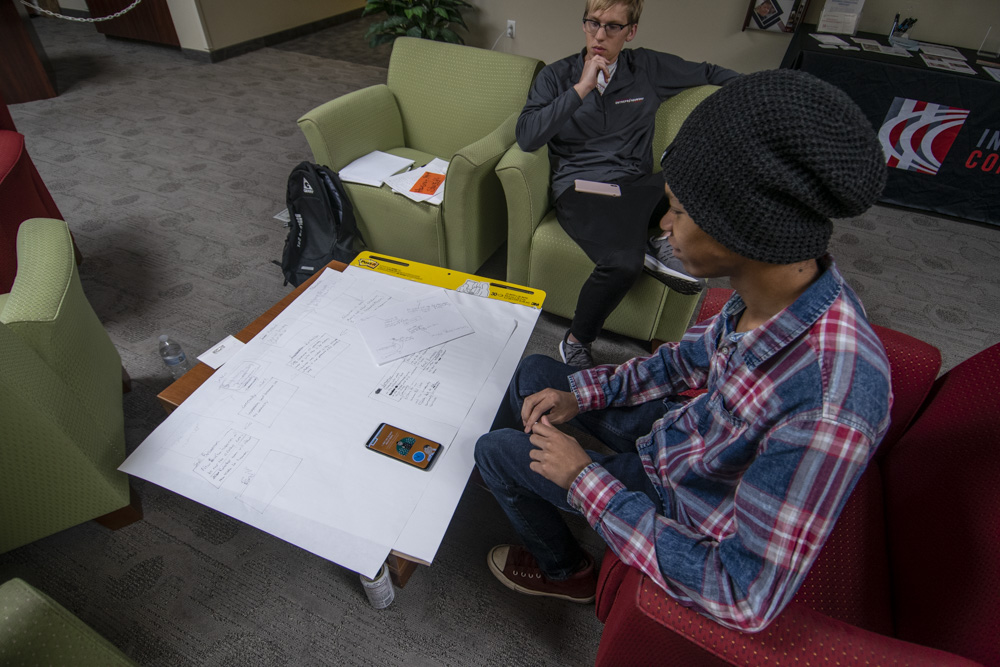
<point x="398" y="329"/>
<point x="276" y="436"/>
<point x="224" y="456"/>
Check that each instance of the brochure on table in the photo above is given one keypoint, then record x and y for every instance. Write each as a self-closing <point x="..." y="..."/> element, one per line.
<point x="276" y="437"/>
<point x="840" y="16"/>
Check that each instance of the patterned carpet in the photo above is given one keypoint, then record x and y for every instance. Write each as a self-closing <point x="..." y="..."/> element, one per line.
<point x="169" y="172"/>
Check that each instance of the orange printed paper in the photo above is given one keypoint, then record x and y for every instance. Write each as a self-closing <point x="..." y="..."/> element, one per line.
<point x="428" y="183"/>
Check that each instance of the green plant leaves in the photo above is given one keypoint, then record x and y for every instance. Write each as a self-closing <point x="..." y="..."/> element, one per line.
<point x="426" y="19"/>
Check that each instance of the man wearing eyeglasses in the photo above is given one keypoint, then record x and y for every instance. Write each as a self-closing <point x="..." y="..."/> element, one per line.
<point x="595" y="110"/>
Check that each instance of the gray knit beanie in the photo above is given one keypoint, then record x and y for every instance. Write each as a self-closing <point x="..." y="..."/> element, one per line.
<point x="764" y="163"/>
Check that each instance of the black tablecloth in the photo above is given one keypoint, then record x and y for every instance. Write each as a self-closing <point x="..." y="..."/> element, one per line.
<point x="955" y="108"/>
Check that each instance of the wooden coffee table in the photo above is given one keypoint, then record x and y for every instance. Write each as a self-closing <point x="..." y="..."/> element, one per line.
<point x="400" y="567"/>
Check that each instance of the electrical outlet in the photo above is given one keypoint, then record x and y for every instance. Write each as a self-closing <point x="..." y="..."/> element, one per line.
<point x="510" y="28"/>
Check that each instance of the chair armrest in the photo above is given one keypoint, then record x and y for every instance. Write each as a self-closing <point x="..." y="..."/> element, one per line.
<point x="671" y="115"/>
<point x="41" y="284"/>
<point x="48" y="310"/>
<point x="797" y="636"/>
<point x="344" y="129"/>
<point x="489" y="149"/>
<point x="609" y="582"/>
<point x="525" y="178"/>
<point x="474" y="215"/>
<point x="35" y="628"/>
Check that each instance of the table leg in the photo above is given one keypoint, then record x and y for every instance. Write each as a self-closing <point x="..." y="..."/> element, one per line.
<point x="124" y="516"/>
<point x="400" y="569"/>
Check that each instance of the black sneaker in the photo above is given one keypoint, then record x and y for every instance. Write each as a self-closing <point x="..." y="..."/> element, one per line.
<point x="662" y="265"/>
<point x="575" y="354"/>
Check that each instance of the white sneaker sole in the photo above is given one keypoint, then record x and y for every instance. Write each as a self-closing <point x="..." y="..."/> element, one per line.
<point x="675" y="280"/>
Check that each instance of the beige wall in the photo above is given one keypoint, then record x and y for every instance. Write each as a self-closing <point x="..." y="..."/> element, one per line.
<point x="187" y="21"/>
<point x="710" y="29"/>
<point x="228" y="22"/>
<point x="550" y="29"/>
<point x="206" y="25"/>
<point x="188" y="24"/>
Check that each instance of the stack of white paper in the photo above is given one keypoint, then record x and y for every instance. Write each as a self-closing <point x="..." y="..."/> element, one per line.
<point x="829" y="39"/>
<point x="402" y="183"/>
<point x="941" y="51"/>
<point x="373" y="169"/>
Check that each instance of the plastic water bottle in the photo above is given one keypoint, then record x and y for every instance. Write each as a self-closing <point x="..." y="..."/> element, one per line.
<point x="173" y="356"/>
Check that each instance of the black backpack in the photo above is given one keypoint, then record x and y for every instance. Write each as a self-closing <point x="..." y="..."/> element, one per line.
<point x="321" y="224"/>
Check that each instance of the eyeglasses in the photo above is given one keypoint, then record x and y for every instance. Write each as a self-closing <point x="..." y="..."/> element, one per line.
<point x="610" y="29"/>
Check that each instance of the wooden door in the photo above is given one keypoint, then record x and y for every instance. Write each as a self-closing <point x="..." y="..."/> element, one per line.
<point x="150" y="21"/>
<point x="25" y="72"/>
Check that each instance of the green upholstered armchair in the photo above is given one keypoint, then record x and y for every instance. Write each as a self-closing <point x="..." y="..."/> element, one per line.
<point x="540" y="254"/>
<point x="456" y="103"/>
<point x="37" y="630"/>
<point x="61" y="425"/>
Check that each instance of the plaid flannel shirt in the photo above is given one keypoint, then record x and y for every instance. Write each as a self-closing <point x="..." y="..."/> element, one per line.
<point x="754" y="472"/>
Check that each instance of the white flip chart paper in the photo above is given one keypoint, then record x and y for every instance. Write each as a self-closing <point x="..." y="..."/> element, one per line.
<point x="276" y="437"/>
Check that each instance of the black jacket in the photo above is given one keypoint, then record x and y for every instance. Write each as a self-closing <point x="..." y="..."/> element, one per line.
<point x="605" y="137"/>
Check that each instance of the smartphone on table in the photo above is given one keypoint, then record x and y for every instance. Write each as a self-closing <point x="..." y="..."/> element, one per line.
<point x="410" y="448"/>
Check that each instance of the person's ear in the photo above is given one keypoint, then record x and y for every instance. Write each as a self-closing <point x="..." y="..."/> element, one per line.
<point x="630" y="33"/>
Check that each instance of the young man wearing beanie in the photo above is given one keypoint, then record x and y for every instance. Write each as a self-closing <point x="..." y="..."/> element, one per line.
<point x="723" y="500"/>
<point x="595" y="111"/>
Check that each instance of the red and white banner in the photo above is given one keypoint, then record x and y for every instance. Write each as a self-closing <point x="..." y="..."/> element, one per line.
<point x="916" y="136"/>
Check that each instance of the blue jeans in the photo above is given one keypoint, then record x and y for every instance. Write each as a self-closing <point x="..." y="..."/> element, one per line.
<point x="531" y="502"/>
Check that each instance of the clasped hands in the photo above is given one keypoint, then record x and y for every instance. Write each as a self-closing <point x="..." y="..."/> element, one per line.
<point x="557" y="457"/>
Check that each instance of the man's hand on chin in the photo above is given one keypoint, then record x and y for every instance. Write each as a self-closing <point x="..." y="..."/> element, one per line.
<point x="588" y="78"/>
<point x="558" y="457"/>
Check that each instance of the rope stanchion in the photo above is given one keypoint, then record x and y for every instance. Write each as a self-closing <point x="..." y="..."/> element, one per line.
<point x="80" y="19"/>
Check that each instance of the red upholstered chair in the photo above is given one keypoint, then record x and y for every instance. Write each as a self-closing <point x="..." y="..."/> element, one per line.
<point x="6" y="122"/>
<point x="715" y="298"/>
<point x="23" y="195"/>
<point x="909" y="574"/>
